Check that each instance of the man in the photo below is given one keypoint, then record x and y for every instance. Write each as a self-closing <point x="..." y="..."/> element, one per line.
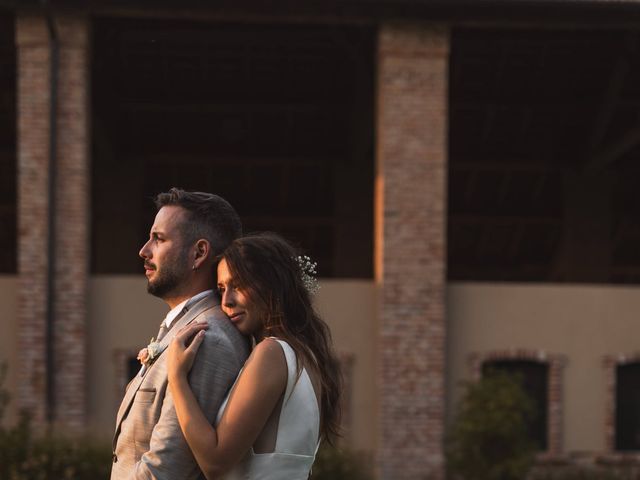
<point x="190" y="230"/>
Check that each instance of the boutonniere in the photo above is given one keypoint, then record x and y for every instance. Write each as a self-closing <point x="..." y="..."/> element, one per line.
<point x="148" y="355"/>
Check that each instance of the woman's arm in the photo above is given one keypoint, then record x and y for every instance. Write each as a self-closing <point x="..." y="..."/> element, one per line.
<point x="258" y="390"/>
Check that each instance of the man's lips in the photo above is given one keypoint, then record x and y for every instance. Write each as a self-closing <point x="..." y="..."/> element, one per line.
<point x="148" y="269"/>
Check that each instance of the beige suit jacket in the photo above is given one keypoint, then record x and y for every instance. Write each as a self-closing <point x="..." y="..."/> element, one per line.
<point x="148" y="442"/>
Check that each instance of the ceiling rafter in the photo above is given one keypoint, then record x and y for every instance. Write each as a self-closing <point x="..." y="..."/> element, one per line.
<point x="596" y="156"/>
<point x="625" y="143"/>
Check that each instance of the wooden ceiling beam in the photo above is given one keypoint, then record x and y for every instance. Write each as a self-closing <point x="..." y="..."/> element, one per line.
<point x="612" y="94"/>
<point x="628" y="141"/>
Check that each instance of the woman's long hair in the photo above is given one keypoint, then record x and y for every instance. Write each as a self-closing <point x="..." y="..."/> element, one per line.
<point x="265" y="265"/>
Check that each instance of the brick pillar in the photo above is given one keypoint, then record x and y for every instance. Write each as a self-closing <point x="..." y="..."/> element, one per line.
<point x="72" y="219"/>
<point x="410" y="249"/>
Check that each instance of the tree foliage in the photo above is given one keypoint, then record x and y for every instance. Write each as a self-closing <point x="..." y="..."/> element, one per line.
<point x="489" y="439"/>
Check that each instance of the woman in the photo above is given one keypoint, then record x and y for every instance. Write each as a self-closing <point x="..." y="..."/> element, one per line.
<point x="287" y="396"/>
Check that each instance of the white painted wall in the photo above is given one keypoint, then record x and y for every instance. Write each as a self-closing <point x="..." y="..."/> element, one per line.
<point x="584" y="323"/>
<point x="9" y="335"/>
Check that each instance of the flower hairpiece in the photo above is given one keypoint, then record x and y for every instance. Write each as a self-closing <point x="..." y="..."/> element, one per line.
<point x="308" y="273"/>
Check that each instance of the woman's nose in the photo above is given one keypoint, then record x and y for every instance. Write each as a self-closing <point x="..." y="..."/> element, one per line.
<point x="227" y="298"/>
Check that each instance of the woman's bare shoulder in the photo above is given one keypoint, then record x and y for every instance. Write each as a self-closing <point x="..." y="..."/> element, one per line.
<point x="268" y="357"/>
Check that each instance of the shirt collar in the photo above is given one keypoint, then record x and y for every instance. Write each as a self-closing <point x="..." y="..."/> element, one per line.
<point x="186" y="305"/>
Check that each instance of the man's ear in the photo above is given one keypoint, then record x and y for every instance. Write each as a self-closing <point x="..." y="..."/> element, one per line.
<point x="202" y="252"/>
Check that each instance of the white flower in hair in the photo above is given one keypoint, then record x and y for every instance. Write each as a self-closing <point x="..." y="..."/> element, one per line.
<point x="308" y="272"/>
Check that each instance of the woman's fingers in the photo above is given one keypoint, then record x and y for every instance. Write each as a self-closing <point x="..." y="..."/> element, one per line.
<point x="188" y="331"/>
<point x="183" y="349"/>
<point x="192" y="349"/>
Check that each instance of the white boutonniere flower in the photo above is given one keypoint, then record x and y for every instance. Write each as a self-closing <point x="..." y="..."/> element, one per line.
<point x="148" y="355"/>
<point x="154" y="350"/>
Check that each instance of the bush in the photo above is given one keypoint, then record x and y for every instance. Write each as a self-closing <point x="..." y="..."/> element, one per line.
<point x="577" y="473"/>
<point x="24" y="456"/>
<point x="595" y="469"/>
<point x="334" y="463"/>
<point x="489" y="439"/>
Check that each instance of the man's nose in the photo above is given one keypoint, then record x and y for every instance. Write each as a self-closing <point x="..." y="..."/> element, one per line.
<point x="144" y="251"/>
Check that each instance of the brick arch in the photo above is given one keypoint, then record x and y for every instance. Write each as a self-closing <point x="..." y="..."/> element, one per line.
<point x="556" y="363"/>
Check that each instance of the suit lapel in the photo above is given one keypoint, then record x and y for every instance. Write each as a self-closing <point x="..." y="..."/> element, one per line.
<point x="202" y="305"/>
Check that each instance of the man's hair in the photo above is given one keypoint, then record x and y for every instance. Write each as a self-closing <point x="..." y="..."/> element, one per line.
<point x="208" y="216"/>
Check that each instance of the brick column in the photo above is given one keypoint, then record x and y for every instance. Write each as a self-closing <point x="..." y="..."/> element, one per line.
<point x="410" y="249"/>
<point x="71" y="215"/>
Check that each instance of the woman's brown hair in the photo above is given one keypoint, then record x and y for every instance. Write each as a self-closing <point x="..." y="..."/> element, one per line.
<point x="265" y="265"/>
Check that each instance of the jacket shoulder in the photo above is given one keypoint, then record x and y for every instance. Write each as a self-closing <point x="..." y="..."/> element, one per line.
<point x="221" y="329"/>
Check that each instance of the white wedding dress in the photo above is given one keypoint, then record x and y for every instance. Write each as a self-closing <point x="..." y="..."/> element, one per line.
<point x="298" y="431"/>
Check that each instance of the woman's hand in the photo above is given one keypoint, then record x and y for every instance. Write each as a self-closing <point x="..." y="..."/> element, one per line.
<point x="183" y="349"/>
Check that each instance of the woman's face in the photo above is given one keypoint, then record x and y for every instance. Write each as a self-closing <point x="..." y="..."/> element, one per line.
<point x="237" y="304"/>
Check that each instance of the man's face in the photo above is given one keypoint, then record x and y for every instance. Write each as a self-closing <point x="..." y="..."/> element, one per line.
<point x="166" y="259"/>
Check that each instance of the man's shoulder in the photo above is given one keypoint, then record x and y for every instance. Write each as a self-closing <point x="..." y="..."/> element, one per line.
<point x="221" y="329"/>
<point x="215" y="317"/>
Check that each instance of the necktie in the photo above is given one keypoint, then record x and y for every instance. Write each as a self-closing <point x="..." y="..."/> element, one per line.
<point x="163" y="326"/>
<point x="163" y="330"/>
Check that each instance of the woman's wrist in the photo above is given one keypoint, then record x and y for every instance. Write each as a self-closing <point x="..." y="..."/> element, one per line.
<point x="177" y="378"/>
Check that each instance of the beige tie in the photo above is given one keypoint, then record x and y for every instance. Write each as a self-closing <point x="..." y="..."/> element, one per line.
<point x="163" y="326"/>
<point x="163" y="331"/>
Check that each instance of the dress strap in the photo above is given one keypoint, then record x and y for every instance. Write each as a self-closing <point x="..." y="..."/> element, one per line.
<point x="290" y="357"/>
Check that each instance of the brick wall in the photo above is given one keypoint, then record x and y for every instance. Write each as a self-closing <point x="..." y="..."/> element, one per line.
<point x="410" y="248"/>
<point x="32" y="146"/>
<point x="72" y="219"/>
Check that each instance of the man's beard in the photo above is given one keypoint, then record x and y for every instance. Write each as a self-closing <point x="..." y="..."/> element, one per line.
<point x="168" y="279"/>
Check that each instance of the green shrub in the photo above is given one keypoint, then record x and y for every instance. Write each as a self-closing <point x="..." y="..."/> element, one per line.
<point x="488" y="439"/>
<point x="581" y="473"/>
<point x="333" y="463"/>
<point x="24" y="456"/>
<point x="59" y="458"/>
